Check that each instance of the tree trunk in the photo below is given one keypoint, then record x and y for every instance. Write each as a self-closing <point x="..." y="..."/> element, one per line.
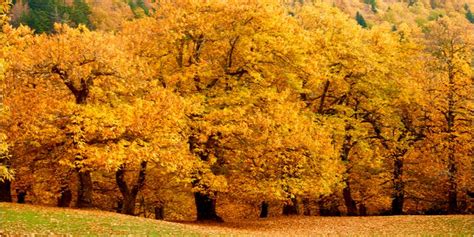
<point x="306" y="207"/>
<point x="453" y="186"/>
<point x="130" y="195"/>
<point x="81" y="93"/>
<point x="206" y="207"/>
<point x="21" y="196"/>
<point x="84" y="193"/>
<point x="362" y="210"/>
<point x="292" y="208"/>
<point x="328" y="207"/>
<point x="205" y="203"/>
<point x="323" y="97"/>
<point x="119" y="206"/>
<point x="264" y="210"/>
<point x="349" y="201"/>
<point x="452" y="169"/>
<point x="398" y="196"/>
<point x="128" y="205"/>
<point x="346" y="192"/>
<point x="159" y="213"/>
<point x="65" y="197"/>
<point x="5" y="191"/>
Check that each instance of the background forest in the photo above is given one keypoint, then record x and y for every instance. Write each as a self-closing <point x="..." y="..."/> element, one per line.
<point x="238" y="108"/>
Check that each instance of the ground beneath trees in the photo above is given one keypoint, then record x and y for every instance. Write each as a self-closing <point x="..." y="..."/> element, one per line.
<point x="28" y="219"/>
<point x="459" y="225"/>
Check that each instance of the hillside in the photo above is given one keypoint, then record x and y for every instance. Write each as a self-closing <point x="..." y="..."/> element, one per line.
<point x="111" y="14"/>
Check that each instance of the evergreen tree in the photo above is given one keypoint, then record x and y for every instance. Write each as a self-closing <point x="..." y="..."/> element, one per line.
<point x="373" y="5"/>
<point x="43" y="14"/>
<point x="38" y="20"/>
<point x="469" y="14"/>
<point x="80" y="12"/>
<point x="141" y="4"/>
<point x="360" y="20"/>
<point x="139" y="8"/>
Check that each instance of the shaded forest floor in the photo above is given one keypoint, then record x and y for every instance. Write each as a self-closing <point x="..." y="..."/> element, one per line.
<point x="28" y="219"/>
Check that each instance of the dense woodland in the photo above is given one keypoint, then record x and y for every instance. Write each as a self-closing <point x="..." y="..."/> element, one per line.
<point x="239" y="108"/>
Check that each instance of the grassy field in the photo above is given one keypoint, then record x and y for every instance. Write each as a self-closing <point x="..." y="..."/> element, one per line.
<point x="28" y="219"/>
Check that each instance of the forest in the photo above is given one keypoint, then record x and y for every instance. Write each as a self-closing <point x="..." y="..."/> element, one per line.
<point x="221" y="109"/>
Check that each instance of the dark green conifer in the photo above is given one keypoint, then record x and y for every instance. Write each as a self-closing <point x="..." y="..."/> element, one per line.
<point x="360" y="20"/>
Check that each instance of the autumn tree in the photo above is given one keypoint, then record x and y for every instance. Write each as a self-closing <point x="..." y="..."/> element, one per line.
<point x="221" y="52"/>
<point x="402" y="125"/>
<point x="154" y="137"/>
<point x="109" y="14"/>
<point x="283" y="154"/>
<point x="450" y="41"/>
<point x="104" y="101"/>
<point x="73" y="75"/>
<point x="359" y="91"/>
<point x="6" y="174"/>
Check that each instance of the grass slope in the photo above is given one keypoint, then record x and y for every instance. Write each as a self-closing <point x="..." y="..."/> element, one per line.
<point x="29" y="219"/>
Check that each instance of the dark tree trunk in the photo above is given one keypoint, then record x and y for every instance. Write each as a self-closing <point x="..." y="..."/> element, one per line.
<point x="291" y="208"/>
<point x="398" y="197"/>
<point x="206" y="207"/>
<point x="306" y="207"/>
<point x="84" y="193"/>
<point x="21" y="196"/>
<point x="81" y="93"/>
<point x="362" y="210"/>
<point x="119" y="206"/>
<point x="65" y="197"/>
<point x="159" y="213"/>
<point x="205" y="203"/>
<point x="450" y="115"/>
<point x="349" y="201"/>
<point x="128" y="205"/>
<point x="328" y="207"/>
<point x="130" y="195"/>
<point x="463" y="206"/>
<point x="323" y="97"/>
<point x="346" y="192"/>
<point x="5" y="191"/>
<point x="264" y="210"/>
<point x="453" y="186"/>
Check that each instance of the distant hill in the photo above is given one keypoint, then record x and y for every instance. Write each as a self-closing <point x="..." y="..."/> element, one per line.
<point x="109" y="14"/>
<point x="96" y="14"/>
<point x="403" y="11"/>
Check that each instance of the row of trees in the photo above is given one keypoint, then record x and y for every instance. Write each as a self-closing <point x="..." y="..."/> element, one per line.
<point x="258" y="102"/>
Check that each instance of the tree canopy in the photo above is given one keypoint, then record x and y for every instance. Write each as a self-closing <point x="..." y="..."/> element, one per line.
<point x="196" y="108"/>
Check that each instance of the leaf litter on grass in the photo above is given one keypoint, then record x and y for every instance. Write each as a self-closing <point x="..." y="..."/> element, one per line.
<point x="28" y="219"/>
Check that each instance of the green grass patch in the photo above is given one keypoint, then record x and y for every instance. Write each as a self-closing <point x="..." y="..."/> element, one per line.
<point x="28" y="219"/>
